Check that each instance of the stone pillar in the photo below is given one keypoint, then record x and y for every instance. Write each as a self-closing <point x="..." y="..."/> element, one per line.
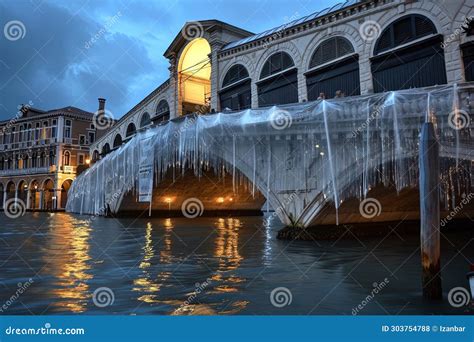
<point x="302" y="89"/>
<point x="5" y="193"/>
<point x="60" y="129"/>
<point x="174" y="110"/>
<point x="28" y="199"/>
<point x="41" y="205"/>
<point x="216" y="46"/>
<point x="254" y="90"/>
<point x="365" y="71"/>
<point x="58" y="194"/>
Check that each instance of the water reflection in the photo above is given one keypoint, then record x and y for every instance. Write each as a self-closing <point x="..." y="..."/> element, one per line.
<point x="146" y="284"/>
<point x="67" y="259"/>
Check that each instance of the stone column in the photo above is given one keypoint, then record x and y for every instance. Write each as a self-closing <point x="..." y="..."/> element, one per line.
<point x="302" y="89"/>
<point x="41" y="205"/>
<point x="60" y="129"/>
<point x="216" y="46"/>
<point x="5" y="193"/>
<point x="28" y="199"/>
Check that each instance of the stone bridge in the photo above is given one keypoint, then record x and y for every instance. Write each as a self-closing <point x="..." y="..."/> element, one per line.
<point x="300" y="158"/>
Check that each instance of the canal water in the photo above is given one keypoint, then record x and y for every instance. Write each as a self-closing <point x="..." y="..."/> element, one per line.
<point x="212" y="266"/>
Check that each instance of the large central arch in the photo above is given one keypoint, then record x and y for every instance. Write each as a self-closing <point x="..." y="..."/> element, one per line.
<point x="194" y="77"/>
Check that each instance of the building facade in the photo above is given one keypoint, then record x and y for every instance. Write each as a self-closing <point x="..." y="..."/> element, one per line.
<point x="41" y="152"/>
<point x="354" y="48"/>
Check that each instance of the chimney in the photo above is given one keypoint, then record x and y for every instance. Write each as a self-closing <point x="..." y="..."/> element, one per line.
<point x="101" y="104"/>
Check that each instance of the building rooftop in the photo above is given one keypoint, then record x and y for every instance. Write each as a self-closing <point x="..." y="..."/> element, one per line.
<point x="31" y="112"/>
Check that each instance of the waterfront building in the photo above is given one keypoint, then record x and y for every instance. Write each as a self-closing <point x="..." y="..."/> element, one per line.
<point x="354" y="48"/>
<point x="41" y="153"/>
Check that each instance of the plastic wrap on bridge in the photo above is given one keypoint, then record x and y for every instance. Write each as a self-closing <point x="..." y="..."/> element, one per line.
<point x="299" y="156"/>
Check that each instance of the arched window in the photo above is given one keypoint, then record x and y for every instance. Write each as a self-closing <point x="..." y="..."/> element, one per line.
<point x="131" y="129"/>
<point x="236" y="90"/>
<point x="162" y="112"/>
<point x="52" y="158"/>
<point x="95" y="156"/>
<point x="34" y="160"/>
<point x="468" y="59"/>
<point x="117" y="141"/>
<point x="278" y="81"/>
<point x="67" y="158"/>
<point x="334" y="67"/>
<point x="145" y="120"/>
<point x="400" y="65"/>
<point x="2" y="163"/>
<point x="42" y="160"/>
<point x="25" y="161"/>
<point x="105" y="150"/>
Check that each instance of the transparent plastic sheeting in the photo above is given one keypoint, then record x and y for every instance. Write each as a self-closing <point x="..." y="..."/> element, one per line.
<point x="302" y="156"/>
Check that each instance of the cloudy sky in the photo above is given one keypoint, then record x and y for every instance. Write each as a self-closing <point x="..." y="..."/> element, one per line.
<point x="51" y="61"/>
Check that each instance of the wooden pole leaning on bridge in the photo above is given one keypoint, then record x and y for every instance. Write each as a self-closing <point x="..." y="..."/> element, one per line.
<point x="430" y="212"/>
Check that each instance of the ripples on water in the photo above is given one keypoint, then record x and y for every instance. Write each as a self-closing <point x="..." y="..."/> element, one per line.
<point x="210" y="266"/>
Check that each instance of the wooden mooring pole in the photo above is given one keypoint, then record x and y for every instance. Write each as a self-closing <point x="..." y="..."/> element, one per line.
<point x="429" y="212"/>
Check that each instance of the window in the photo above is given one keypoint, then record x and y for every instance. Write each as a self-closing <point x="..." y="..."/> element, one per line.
<point x="44" y="133"/>
<point x="12" y="135"/>
<point x="52" y="158"/>
<point x="54" y="129"/>
<point x="67" y="158"/>
<point x="131" y="129"/>
<point x="415" y="65"/>
<point x="81" y="159"/>
<point x="82" y="139"/>
<point x="162" y="112"/>
<point x="117" y="141"/>
<point x="91" y="137"/>
<point x="468" y="59"/>
<point x="324" y="79"/>
<point x="67" y="128"/>
<point x="279" y="83"/>
<point x="37" y="130"/>
<point x="145" y="120"/>
<point x="236" y="89"/>
<point x="34" y="160"/>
